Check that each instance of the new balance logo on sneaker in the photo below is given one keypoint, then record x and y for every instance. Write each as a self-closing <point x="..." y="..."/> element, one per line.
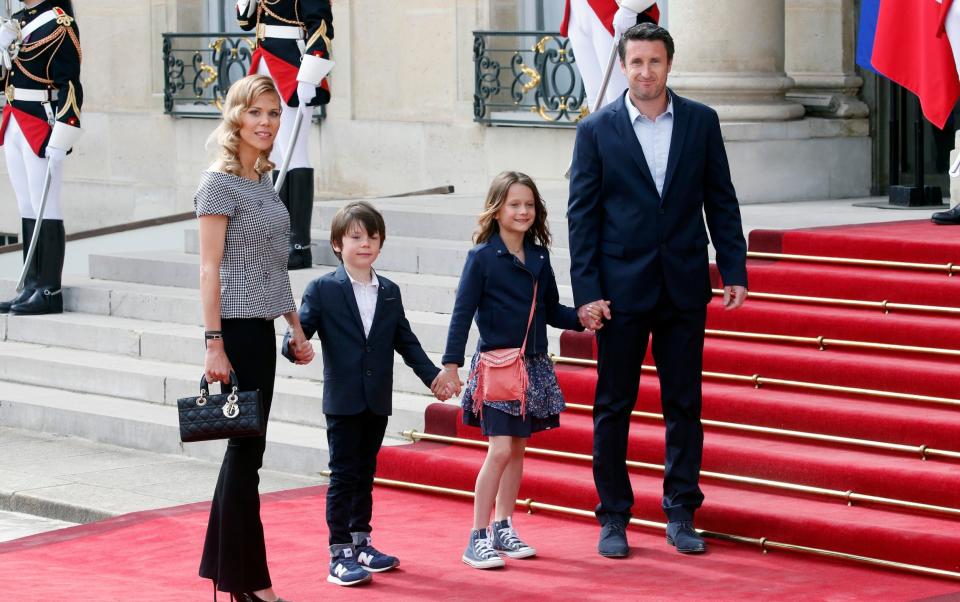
<point x="370" y="558"/>
<point x="344" y="569"/>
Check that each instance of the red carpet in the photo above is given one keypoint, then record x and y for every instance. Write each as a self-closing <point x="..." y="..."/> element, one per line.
<point x="152" y="556"/>
<point x="896" y="532"/>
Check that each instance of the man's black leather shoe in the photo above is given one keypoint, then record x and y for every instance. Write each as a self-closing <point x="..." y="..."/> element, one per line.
<point x="613" y="539"/>
<point x="682" y="535"/>
<point x="946" y="218"/>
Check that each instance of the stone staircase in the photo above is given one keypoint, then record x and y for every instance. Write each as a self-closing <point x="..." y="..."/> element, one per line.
<point x="130" y="343"/>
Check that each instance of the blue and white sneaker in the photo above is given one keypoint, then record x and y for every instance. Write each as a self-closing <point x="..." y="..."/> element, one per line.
<point x="369" y="558"/>
<point x="480" y="553"/>
<point x="506" y="540"/>
<point x="344" y="569"/>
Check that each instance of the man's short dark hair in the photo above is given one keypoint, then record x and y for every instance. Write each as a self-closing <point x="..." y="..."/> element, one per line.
<point x="649" y="32"/>
<point x="360" y="213"/>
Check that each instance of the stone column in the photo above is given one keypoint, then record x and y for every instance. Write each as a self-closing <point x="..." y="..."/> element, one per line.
<point x="821" y="56"/>
<point x="730" y="55"/>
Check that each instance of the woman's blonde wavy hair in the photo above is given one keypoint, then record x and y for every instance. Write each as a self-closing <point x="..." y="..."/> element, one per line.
<point x="539" y="232"/>
<point x="241" y="96"/>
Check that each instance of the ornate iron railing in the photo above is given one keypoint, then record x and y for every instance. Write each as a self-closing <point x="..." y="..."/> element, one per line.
<point x="526" y="78"/>
<point x="198" y="69"/>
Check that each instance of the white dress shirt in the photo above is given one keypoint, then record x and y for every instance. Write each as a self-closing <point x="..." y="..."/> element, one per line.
<point x="655" y="137"/>
<point x="366" y="296"/>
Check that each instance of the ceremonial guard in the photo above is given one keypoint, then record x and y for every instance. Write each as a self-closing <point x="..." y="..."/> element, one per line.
<point x="40" y="63"/>
<point x="293" y="48"/>
<point x="594" y="27"/>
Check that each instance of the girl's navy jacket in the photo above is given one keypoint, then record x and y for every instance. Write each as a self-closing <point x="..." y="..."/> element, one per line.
<point x="498" y="289"/>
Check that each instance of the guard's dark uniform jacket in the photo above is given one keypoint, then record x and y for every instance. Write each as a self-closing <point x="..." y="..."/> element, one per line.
<point x="315" y="21"/>
<point x="48" y="62"/>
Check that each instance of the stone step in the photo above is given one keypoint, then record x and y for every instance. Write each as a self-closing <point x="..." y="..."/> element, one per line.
<point x="438" y="217"/>
<point x="408" y="254"/>
<point x="421" y="292"/>
<point x="161" y="383"/>
<point x="165" y="340"/>
<point x="294" y="448"/>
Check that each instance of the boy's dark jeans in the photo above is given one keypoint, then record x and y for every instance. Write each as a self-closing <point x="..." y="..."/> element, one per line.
<point x="353" y="443"/>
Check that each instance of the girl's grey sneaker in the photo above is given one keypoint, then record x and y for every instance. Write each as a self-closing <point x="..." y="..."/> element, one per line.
<point x="479" y="553"/>
<point x="344" y="569"/>
<point x="370" y="558"/>
<point x="506" y="540"/>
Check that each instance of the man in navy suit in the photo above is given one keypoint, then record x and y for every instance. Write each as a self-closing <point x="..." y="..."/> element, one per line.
<point x="646" y="169"/>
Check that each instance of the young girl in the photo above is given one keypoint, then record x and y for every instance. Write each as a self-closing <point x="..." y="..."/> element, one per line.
<point x="497" y="287"/>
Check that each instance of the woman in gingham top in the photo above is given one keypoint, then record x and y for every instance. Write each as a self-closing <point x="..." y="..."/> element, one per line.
<point x="243" y="287"/>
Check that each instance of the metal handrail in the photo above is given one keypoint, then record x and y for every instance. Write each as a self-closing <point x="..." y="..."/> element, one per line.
<point x="849" y="496"/>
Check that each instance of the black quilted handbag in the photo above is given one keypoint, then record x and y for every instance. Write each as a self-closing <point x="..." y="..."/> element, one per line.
<point x="234" y="414"/>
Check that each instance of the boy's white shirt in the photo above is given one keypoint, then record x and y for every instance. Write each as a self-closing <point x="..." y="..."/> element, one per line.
<point x="366" y="295"/>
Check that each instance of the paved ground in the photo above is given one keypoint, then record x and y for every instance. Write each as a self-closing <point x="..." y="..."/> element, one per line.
<point x="75" y="480"/>
<point x="14" y="525"/>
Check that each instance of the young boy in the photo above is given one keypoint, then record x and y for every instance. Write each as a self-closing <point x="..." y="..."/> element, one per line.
<point x="359" y="319"/>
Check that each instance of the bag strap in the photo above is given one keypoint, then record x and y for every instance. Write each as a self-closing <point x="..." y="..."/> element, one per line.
<point x="533" y="306"/>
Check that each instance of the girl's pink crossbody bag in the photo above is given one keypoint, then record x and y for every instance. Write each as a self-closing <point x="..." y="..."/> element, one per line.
<point x="502" y="373"/>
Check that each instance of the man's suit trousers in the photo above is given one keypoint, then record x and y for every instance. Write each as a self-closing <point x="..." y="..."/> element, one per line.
<point x="678" y="354"/>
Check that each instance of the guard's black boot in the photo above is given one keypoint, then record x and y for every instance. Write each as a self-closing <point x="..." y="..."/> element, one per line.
<point x="946" y="218"/>
<point x="47" y="297"/>
<point x="30" y="281"/>
<point x="300" y="205"/>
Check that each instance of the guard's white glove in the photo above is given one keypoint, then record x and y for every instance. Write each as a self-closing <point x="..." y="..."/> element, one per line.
<point x="246" y="8"/>
<point x="56" y="155"/>
<point x="623" y="20"/>
<point x="6" y="61"/>
<point x="9" y="32"/>
<point x="306" y="92"/>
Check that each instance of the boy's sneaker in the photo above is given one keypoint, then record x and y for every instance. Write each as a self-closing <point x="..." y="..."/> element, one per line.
<point x="480" y="553"/>
<point x="506" y="540"/>
<point x="344" y="569"/>
<point x="369" y="558"/>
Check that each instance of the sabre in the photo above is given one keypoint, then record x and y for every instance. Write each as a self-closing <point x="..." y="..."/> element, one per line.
<point x="285" y="164"/>
<point x="36" y="230"/>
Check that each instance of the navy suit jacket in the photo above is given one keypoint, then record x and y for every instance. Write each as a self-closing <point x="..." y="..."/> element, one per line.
<point x="358" y="369"/>
<point x="498" y="290"/>
<point x="627" y="244"/>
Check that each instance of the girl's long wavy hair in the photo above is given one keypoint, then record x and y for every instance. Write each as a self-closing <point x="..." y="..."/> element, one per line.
<point x="539" y="232"/>
<point x="241" y="96"/>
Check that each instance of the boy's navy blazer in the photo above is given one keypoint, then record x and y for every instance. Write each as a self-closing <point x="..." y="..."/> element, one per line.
<point x="498" y="289"/>
<point x="358" y="369"/>
<point x="626" y="241"/>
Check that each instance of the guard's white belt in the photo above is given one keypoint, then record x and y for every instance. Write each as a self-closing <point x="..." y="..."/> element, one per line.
<point x="26" y="95"/>
<point x="284" y="32"/>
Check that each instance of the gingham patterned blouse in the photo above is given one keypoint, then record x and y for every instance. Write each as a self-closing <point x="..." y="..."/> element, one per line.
<point x="253" y="271"/>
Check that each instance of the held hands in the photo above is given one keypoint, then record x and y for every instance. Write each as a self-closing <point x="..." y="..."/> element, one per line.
<point x="300" y="347"/>
<point x="216" y="366"/>
<point x="592" y="314"/>
<point x="447" y="383"/>
<point x="734" y="296"/>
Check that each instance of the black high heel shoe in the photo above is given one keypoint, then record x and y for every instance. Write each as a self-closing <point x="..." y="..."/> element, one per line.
<point x="251" y="597"/>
